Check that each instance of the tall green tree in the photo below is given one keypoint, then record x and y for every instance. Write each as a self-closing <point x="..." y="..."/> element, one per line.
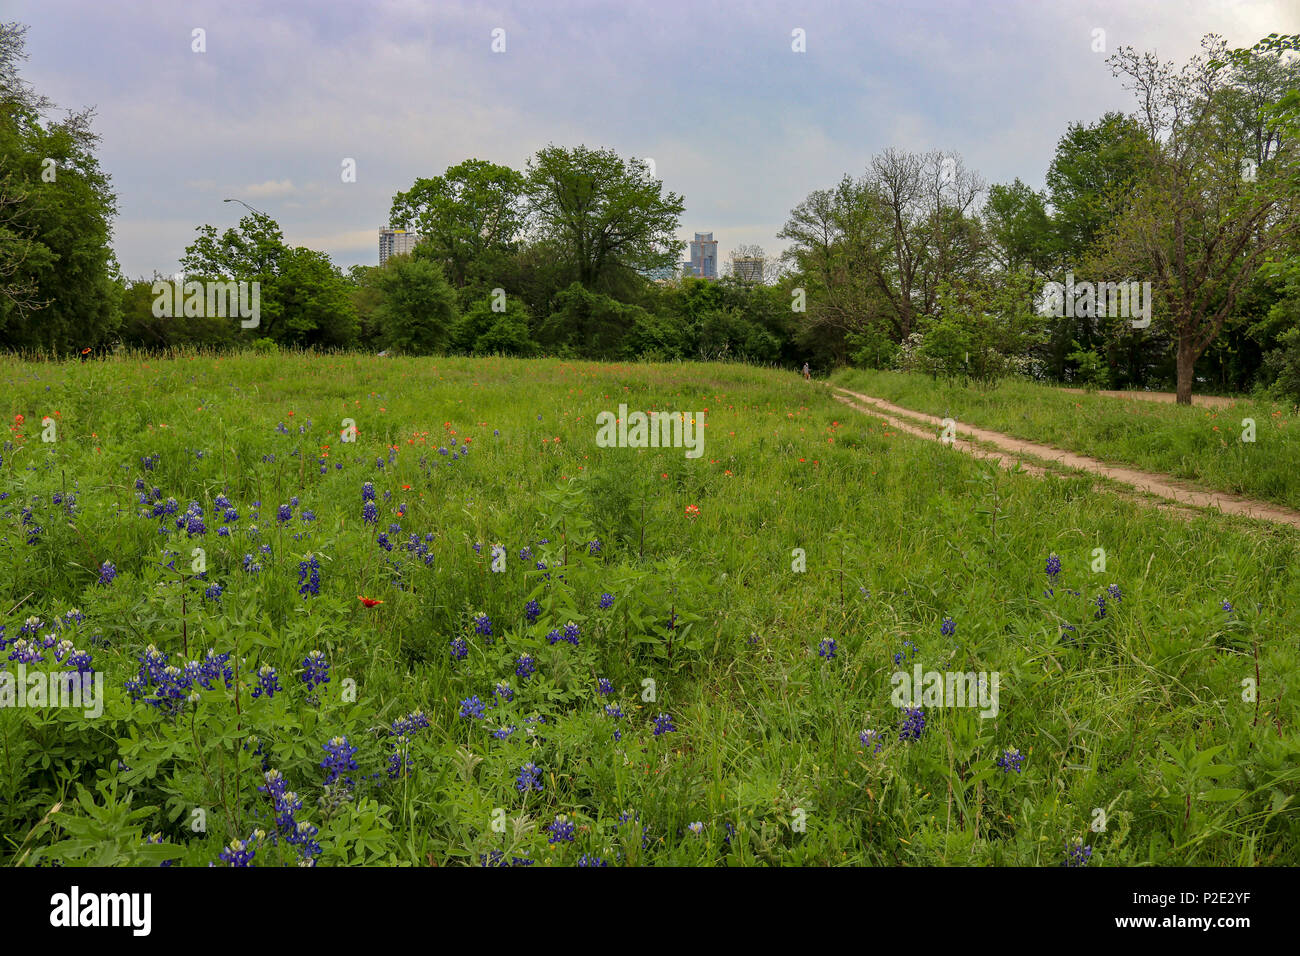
<point x="1196" y="225"/>
<point x="1090" y="180"/>
<point x="472" y="210"/>
<point x="416" y="310"/>
<point x="57" y="269"/>
<point x="607" y="217"/>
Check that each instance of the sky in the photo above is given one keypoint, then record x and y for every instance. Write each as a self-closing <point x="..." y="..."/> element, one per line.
<point x="736" y="120"/>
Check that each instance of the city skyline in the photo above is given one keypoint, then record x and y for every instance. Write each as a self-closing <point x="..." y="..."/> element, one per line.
<point x="404" y="90"/>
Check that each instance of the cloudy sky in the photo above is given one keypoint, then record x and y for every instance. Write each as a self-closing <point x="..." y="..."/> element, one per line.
<point x="735" y="120"/>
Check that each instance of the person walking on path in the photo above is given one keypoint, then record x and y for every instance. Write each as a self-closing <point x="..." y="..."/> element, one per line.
<point x="806" y="373"/>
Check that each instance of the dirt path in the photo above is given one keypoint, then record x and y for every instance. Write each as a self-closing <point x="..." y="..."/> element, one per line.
<point x="1009" y="452"/>
<point x="1212" y="401"/>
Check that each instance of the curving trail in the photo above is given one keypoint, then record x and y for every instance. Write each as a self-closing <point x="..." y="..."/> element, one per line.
<point x="1008" y="452"/>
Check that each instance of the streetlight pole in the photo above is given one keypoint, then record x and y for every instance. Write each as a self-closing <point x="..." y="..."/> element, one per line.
<point x="248" y="207"/>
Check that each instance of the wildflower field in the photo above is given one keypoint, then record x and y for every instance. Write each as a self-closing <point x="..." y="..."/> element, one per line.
<point x="354" y="610"/>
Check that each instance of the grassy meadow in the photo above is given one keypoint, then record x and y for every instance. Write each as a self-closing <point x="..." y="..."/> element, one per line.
<point x="679" y="661"/>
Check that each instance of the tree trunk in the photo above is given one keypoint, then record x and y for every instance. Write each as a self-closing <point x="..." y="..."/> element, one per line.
<point x="1186" y="368"/>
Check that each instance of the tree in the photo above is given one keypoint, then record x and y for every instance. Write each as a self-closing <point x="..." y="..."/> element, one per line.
<point x="588" y="324"/>
<point x="875" y="251"/>
<point x="255" y="251"/>
<point x="313" y="298"/>
<point x="471" y="209"/>
<point x="985" y="329"/>
<point x="1090" y="181"/>
<point x="765" y="269"/>
<point x="57" y="270"/>
<point x="1195" y="224"/>
<point x="304" y="299"/>
<point x="1019" y="227"/>
<point x="416" y="312"/>
<point x="608" y="218"/>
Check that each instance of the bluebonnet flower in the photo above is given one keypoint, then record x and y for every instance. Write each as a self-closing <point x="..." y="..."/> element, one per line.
<point x="1077" y="854"/>
<point x="284" y="513"/>
<point x="213" y="592"/>
<point x="339" y="759"/>
<point x="369" y="513"/>
<point x="107" y="572"/>
<point x="525" y="553"/>
<point x="382" y="540"/>
<point x="907" y="653"/>
<point x="1053" y="566"/>
<point x="613" y="710"/>
<point x="504" y="732"/>
<point x="947" y="627"/>
<point x="1011" y="760"/>
<point x="307" y="515"/>
<point x="482" y="625"/>
<point x="913" y="725"/>
<point x="399" y="763"/>
<point x="604" y="686"/>
<point x="872" y="739"/>
<point x="498" y="858"/>
<point x="309" y="576"/>
<point x="471" y="708"/>
<point x="1115" y="593"/>
<point x="268" y="681"/>
<point x="531" y="611"/>
<point x="588" y="860"/>
<point x="251" y="566"/>
<point x="315" y="670"/>
<point x="407" y="726"/>
<point x="530" y="778"/>
<point x="213" y="667"/>
<point x="26" y="652"/>
<point x="525" y="666"/>
<point x="1101" y="607"/>
<point x="561" y="830"/>
<point x="242" y="852"/>
<point x="503" y="691"/>
<point x="827" y="648"/>
<point x="459" y="649"/>
<point x="606" y="602"/>
<point x="663" y="725"/>
<point x="367" y="492"/>
<point x="593" y="548"/>
<point x="1227" y="606"/>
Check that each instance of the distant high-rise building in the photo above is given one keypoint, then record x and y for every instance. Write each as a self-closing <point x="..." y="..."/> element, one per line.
<point x="395" y="242"/>
<point x="748" y="268"/>
<point x="704" y="256"/>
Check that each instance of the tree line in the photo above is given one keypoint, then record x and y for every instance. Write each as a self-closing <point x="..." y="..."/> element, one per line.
<point x="915" y="263"/>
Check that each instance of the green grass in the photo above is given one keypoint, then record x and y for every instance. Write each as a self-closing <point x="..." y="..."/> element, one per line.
<point x="1202" y="445"/>
<point x="1139" y="714"/>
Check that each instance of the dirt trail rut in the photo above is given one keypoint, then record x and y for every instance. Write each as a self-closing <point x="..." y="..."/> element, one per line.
<point x="1010" y="452"/>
